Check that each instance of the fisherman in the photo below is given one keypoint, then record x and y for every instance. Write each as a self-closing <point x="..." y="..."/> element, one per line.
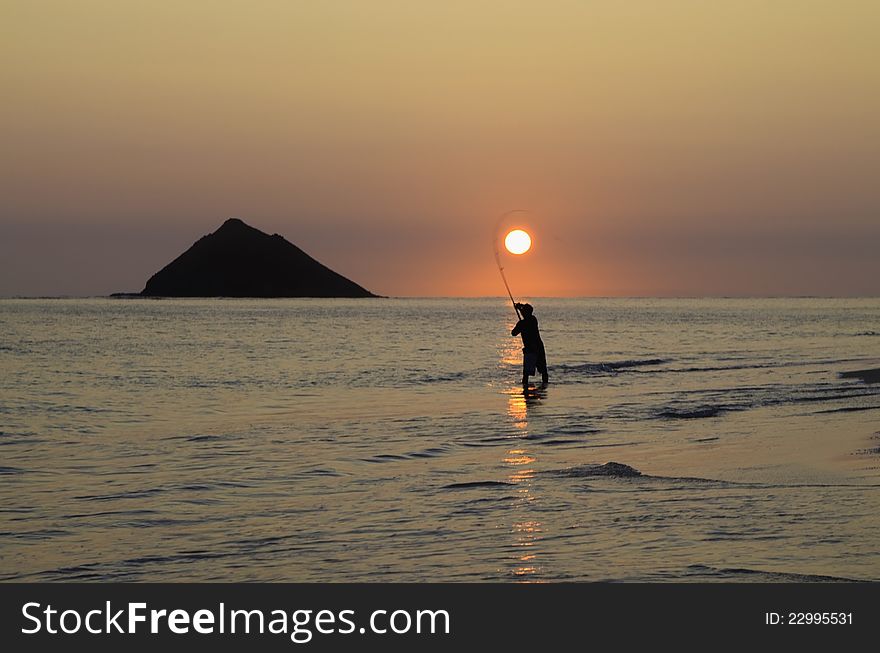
<point x="533" y="346"/>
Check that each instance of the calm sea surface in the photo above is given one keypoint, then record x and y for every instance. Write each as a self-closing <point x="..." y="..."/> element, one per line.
<point x="389" y="440"/>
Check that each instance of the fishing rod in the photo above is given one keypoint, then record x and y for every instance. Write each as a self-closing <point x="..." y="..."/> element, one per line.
<point x="498" y="258"/>
<point x="504" y="279"/>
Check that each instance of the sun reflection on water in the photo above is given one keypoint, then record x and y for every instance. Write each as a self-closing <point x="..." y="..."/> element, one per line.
<point x="517" y="409"/>
<point x="526" y="530"/>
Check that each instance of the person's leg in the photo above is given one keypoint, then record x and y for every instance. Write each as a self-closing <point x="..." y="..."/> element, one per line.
<point x="542" y="368"/>
<point x="528" y="366"/>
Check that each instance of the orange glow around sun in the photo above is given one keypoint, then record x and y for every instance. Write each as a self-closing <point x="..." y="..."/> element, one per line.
<point x="517" y="242"/>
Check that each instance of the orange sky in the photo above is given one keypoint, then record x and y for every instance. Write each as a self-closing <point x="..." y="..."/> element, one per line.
<point x="669" y="148"/>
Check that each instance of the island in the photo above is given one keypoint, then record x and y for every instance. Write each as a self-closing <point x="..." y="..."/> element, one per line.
<point x="238" y="260"/>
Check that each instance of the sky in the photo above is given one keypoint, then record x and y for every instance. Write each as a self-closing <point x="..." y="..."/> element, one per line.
<point x="672" y="148"/>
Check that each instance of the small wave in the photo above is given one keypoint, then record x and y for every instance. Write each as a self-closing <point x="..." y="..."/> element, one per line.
<point x="319" y="472"/>
<point x="431" y="452"/>
<point x="135" y="494"/>
<point x="185" y="556"/>
<point x="832" y="394"/>
<point x="475" y="484"/>
<point x="149" y="492"/>
<point x="608" y="368"/>
<point x="490" y="499"/>
<point x="608" y="469"/>
<point x="109" y="513"/>
<point x="37" y="535"/>
<point x="195" y="438"/>
<point x="492" y="441"/>
<point x="620" y="470"/>
<point x="866" y="376"/>
<point x="868" y="333"/>
<point x="7" y="443"/>
<point x="558" y="442"/>
<point x="10" y="471"/>
<point x="384" y="458"/>
<point x="576" y="430"/>
<point x="692" y="413"/>
<point x="428" y="453"/>
<point x="481" y="504"/>
<point x="759" y="575"/>
<point x="204" y="438"/>
<point x="439" y="378"/>
<point x="848" y="409"/>
<point x="724" y="536"/>
<point x="393" y="377"/>
<point x="761" y="365"/>
<point x="726" y="368"/>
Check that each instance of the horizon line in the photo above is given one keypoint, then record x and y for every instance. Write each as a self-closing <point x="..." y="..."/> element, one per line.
<point x="504" y="297"/>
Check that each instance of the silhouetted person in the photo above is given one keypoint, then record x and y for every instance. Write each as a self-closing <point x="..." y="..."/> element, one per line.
<point x="533" y="346"/>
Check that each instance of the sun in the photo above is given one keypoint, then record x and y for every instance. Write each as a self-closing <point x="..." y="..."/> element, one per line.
<point x="517" y="242"/>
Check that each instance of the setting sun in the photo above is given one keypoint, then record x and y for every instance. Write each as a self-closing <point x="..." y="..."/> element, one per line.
<point x="517" y="242"/>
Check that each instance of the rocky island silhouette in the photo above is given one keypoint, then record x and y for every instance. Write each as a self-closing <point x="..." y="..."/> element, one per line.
<point x="238" y="260"/>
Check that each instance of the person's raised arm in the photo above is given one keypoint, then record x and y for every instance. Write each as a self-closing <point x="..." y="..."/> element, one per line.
<point x="515" y="331"/>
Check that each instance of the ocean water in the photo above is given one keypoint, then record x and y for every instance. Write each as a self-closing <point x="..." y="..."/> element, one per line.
<point x="390" y="440"/>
